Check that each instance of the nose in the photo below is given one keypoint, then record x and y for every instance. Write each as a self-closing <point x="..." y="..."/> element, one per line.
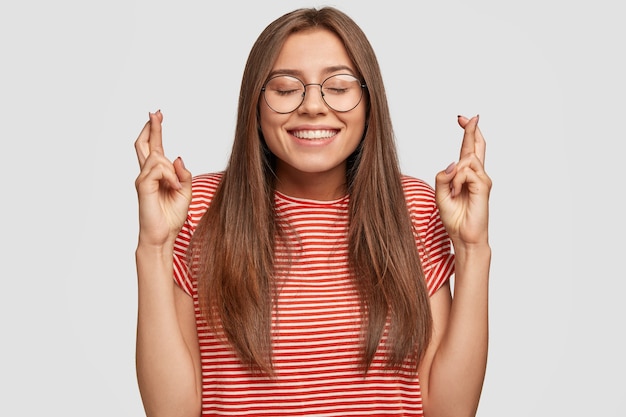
<point x="313" y="102"/>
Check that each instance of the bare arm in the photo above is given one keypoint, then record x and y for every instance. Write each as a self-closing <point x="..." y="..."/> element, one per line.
<point x="453" y="370"/>
<point x="167" y="353"/>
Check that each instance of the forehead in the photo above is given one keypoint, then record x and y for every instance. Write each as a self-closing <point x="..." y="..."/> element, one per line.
<point x="312" y="52"/>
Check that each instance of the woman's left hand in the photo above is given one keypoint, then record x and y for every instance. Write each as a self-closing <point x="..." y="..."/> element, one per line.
<point x="462" y="190"/>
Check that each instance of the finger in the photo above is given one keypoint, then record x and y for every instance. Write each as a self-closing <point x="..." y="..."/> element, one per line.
<point x="462" y="120"/>
<point x="470" y="173"/>
<point x="156" y="140"/>
<point x="480" y="146"/>
<point x="469" y="136"/>
<point x="141" y="144"/>
<point x="156" y="173"/>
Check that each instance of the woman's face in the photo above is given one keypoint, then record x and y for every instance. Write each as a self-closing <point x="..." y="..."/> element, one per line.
<point x="312" y="143"/>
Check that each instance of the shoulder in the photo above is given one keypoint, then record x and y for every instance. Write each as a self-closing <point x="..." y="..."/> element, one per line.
<point x="206" y="183"/>
<point x="417" y="192"/>
<point x="203" y="188"/>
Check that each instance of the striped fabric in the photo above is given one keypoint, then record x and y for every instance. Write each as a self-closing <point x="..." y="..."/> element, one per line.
<point x="316" y="325"/>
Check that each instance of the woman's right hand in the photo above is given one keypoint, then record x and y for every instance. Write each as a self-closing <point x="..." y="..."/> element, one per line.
<point x="163" y="187"/>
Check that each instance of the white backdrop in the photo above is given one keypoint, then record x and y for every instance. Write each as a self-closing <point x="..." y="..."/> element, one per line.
<point x="77" y="79"/>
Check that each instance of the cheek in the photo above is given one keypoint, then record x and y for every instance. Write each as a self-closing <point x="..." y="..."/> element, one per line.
<point x="359" y="121"/>
<point x="266" y="130"/>
<point x="271" y="124"/>
<point x="268" y="120"/>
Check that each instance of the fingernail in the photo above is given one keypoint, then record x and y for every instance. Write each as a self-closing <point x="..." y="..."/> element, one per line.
<point x="450" y="168"/>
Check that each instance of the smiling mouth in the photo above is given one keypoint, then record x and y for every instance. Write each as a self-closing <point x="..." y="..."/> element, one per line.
<point x="313" y="134"/>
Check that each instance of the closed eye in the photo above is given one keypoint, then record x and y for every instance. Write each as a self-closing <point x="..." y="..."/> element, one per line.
<point x="287" y="92"/>
<point x="336" y="91"/>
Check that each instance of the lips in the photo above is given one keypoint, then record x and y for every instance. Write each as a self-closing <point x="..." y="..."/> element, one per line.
<point x="314" y="134"/>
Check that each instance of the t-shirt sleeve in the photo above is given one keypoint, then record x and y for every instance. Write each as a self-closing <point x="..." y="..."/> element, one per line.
<point x="181" y="269"/>
<point x="203" y="188"/>
<point x="434" y="246"/>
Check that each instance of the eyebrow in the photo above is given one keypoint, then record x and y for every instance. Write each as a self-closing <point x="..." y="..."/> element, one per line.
<point x="327" y="70"/>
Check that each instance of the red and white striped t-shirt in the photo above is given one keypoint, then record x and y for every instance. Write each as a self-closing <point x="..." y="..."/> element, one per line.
<point x="317" y="323"/>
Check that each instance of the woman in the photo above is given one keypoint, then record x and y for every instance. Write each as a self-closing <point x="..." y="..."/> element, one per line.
<point x="311" y="276"/>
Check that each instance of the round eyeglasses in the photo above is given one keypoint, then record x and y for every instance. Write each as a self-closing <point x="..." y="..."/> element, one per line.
<point x="285" y="93"/>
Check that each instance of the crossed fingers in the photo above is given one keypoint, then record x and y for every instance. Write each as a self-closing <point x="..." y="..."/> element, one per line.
<point x="150" y="139"/>
<point x="473" y="140"/>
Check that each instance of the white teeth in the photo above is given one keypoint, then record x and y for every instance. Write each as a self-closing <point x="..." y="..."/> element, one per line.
<point x="313" y="134"/>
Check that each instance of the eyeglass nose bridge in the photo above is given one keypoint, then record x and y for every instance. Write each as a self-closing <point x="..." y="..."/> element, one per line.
<point x="304" y="93"/>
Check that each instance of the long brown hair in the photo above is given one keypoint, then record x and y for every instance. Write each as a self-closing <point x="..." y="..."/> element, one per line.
<point x="232" y="249"/>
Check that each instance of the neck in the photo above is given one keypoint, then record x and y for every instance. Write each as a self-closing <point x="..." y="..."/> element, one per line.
<point x="322" y="186"/>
